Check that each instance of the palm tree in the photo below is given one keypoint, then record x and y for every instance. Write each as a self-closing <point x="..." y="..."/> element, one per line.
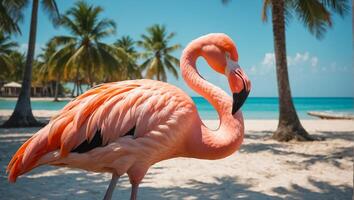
<point x="128" y="55"/>
<point x="48" y="69"/>
<point x="22" y="115"/>
<point x="18" y="61"/>
<point x="158" y="53"/>
<point x="316" y="16"/>
<point x="11" y="14"/>
<point x="6" y="48"/>
<point x="83" y="47"/>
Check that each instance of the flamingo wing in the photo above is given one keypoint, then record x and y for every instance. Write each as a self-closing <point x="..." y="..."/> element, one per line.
<point x="98" y="117"/>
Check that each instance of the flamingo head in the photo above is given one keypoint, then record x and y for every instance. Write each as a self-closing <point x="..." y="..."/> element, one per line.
<point x="222" y="56"/>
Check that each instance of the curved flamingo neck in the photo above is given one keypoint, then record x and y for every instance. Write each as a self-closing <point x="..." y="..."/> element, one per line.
<point x="206" y="143"/>
<point x="213" y="94"/>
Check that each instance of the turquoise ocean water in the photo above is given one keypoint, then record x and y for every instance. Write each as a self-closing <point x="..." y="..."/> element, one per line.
<point x="254" y="108"/>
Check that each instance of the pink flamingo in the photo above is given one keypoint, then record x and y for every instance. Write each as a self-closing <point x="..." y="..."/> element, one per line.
<point x="125" y="127"/>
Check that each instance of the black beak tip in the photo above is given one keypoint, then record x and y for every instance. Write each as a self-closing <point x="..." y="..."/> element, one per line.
<point x="238" y="100"/>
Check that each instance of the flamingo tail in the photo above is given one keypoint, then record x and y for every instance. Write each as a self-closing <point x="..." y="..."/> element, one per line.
<point x="28" y="154"/>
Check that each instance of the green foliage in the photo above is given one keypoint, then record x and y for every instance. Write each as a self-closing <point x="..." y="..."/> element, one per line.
<point x="81" y="53"/>
<point x="11" y="14"/>
<point x="157" y="53"/>
<point x="6" y="48"/>
<point x="18" y="61"/>
<point x="46" y="70"/>
<point x="314" y="14"/>
<point x="128" y="55"/>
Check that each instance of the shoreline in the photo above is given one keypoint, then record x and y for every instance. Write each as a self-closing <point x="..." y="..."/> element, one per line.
<point x="250" y="124"/>
<point x="38" y="98"/>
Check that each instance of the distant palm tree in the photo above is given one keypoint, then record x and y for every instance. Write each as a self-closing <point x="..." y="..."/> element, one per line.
<point x="84" y="48"/>
<point x="22" y="115"/>
<point x="316" y="16"/>
<point x="6" y="48"/>
<point x="128" y="54"/>
<point x="48" y="69"/>
<point x="18" y="61"/>
<point x="158" y="53"/>
<point x="11" y="14"/>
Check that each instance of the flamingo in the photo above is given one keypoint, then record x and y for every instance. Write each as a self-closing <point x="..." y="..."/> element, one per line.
<point x="126" y="127"/>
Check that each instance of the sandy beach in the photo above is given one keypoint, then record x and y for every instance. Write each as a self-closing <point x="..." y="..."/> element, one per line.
<point x="262" y="169"/>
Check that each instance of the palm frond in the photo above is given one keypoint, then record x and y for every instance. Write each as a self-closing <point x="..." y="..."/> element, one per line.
<point x="107" y="57"/>
<point x="63" y="40"/>
<point x="104" y="28"/>
<point x="171" y="68"/>
<point x="146" y="63"/>
<point x="314" y="16"/>
<point x="340" y="7"/>
<point x="172" y="48"/>
<point x="265" y="8"/>
<point x="10" y="15"/>
<point x="51" y="8"/>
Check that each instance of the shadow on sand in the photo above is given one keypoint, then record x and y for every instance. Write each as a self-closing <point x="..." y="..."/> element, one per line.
<point x="79" y="185"/>
<point x="308" y="159"/>
<point x="62" y="183"/>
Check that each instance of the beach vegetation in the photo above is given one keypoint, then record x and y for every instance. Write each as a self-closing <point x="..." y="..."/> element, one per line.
<point x="7" y="47"/>
<point x="316" y="16"/>
<point x="157" y="53"/>
<point x="10" y="15"/>
<point x="22" y="115"/>
<point x="126" y="51"/>
<point x="84" y="56"/>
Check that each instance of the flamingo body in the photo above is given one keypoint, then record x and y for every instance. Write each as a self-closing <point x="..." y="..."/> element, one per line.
<point x="159" y="113"/>
<point x="125" y="127"/>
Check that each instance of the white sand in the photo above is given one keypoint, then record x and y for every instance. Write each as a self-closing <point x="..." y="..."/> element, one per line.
<point x="262" y="169"/>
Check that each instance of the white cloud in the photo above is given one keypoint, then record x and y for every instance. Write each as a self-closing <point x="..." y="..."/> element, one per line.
<point x="253" y="68"/>
<point x="335" y="68"/>
<point x="298" y="59"/>
<point x="302" y="59"/>
<point x="314" y="61"/>
<point x="269" y="59"/>
<point x="24" y="47"/>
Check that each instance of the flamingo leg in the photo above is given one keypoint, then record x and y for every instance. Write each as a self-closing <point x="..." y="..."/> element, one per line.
<point x="134" y="193"/>
<point x="112" y="185"/>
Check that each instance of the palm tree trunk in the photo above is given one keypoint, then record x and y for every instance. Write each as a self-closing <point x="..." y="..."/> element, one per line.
<point x="158" y="70"/>
<point x="51" y="89"/>
<point x="73" y="90"/>
<point x="81" y="91"/>
<point x="77" y="82"/>
<point x="78" y="88"/>
<point x="289" y="126"/>
<point x="57" y="83"/>
<point x="22" y="115"/>
<point x="90" y="76"/>
<point x="353" y="62"/>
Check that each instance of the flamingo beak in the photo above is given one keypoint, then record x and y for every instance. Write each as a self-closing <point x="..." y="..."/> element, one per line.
<point x="240" y="85"/>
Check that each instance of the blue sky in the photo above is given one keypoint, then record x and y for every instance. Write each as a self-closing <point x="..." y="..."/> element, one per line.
<point x="316" y="67"/>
